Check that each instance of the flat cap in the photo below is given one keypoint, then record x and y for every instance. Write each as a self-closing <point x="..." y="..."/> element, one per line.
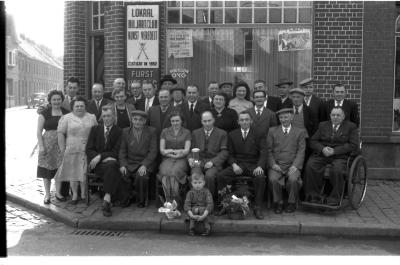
<point x="284" y="81"/>
<point x="297" y="90"/>
<point x="306" y="81"/>
<point x="284" y="110"/>
<point x="139" y="113"/>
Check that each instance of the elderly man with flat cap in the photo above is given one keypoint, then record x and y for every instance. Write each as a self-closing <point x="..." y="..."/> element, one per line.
<point x="138" y="153"/>
<point x="313" y="102"/>
<point x="286" y="146"/>
<point x="284" y="86"/>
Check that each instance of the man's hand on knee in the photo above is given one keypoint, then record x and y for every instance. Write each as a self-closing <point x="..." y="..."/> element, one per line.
<point x="258" y="171"/>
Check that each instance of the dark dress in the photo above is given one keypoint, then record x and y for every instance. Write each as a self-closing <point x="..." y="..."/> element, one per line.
<point x="49" y="162"/>
<point x="226" y="120"/>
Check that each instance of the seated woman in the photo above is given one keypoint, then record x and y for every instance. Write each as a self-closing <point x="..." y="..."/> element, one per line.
<point x="225" y="118"/>
<point x="332" y="143"/>
<point x="73" y="132"/>
<point x="49" y="153"/>
<point x="241" y="101"/>
<point x="174" y="147"/>
<point x="121" y="109"/>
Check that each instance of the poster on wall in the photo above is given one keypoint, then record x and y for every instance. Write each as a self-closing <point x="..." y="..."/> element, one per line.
<point x="142" y="33"/>
<point x="294" y="40"/>
<point x="180" y="43"/>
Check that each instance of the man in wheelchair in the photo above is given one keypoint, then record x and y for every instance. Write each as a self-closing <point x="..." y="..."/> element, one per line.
<point x="331" y="144"/>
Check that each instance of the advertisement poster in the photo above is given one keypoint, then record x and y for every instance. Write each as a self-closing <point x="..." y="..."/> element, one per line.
<point x="294" y="40"/>
<point x="142" y="33"/>
<point x="180" y="43"/>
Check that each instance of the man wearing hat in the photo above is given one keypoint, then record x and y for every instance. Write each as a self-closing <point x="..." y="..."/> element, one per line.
<point x="227" y="88"/>
<point x="271" y="102"/>
<point x="168" y="82"/>
<point x="138" y="153"/>
<point x="284" y="86"/>
<point x="178" y="94"/>
<point x="302" y="115"/>
<point x="315" y="104"/>
<point x="286" y="146"/>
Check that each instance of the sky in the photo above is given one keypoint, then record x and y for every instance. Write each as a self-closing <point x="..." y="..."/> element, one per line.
<point x="41" y="21"/>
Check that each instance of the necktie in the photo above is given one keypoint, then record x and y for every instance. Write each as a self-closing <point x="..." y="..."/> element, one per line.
<point x="147" y="105"/>
<point x="244" y="135"/>
<point x="191" y="109"/>
<point x="336" y="127"/>
<point x="106" y="134"/>
<point x="258" y="113"/>
<point x="98" y="105"/>
<point x="206" y="141"/>
<point x="286" y="131"/>
<point x="296" y="110"/>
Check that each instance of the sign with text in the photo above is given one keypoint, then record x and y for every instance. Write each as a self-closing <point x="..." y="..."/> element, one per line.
<point x="180" y="43"/>
<point x="142" y="33"/>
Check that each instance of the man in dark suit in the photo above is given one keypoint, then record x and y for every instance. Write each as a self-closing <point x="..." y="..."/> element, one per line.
<point x="137" y="98"/>
<point x="150" y="99"/>
<point x="339" y="100"/>
<point x="212" y="143"/>
<point x="302" y="115"/>
<point x="212" y="89"/>
<point x="332" y="143"/>
<point x="286" y="146"/>
<point x="98" y="101"/>
<point x="102" y="152"/>
<point x="263" y="118"/>
<point x="192" y="108"/>
<point x="284" y="86"/>
<point x="138" y="153"/>
<point x="159" y="114"/>
<point x="247" y="157"/>
<point x="271" y="102"/>
<point x="314" y="103"/>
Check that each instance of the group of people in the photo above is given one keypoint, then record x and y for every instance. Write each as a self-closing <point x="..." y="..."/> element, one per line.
<point x="141" y="133"/>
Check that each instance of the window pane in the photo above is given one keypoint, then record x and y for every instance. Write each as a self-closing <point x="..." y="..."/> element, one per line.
<point x="304" y="15"/>
<point x="201" y="16"/>
<point x="102" y="7"/>
<point x="290" y="15"/>
<point x="230" y="16"/>
<point x="95" y="23"/>
<point x="290" y="3"/>
<point x="230" y="3"/>
<point x="202" y="3"/>
<point x="275" y="15"/>
<point x="174" y="4"/>
<point x="216" y="16"/>
<point x="102" y="22"/>
<point x="398" y="24"/>
<point x="245" y="15"/>
<point x="173" y="16"/>
<point x="187" y="16"/>
<point x="305" y="3"/>
<point x="216" y="3"/>
<point x="260" y="15"/>
<point x="275" y="3"/>
<point x="260" y="3"/>
<point x="95" y="8"/>
<point x="245" y="4"/>
<point x="187" y="3"/>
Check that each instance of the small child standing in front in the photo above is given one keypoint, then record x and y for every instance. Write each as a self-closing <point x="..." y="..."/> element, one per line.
<point x="199" y="204"/>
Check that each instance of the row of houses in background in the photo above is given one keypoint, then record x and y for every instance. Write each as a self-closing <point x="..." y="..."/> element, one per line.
<point x="30" y="68"/>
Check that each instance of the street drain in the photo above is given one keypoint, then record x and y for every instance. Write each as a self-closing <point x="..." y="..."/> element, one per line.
<point x="97" y="233"/>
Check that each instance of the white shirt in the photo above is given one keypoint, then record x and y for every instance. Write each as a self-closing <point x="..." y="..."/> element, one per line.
<point x="98" y="102"/>
<point x="105" y="130"/>
<point x="208" y="132"/>
<point x="288" y="129"/>
<point x="333" y="127"/>
<point x="245" y="131"/>
<point x="177" y="103"/>
<point x="266" y="102"/>
<point x="256" y="109"/>
<point x="340" y="103"/>
<point x="192" y="103"/>
<point x="308" y="100"/>
<point x="150" y="101"/>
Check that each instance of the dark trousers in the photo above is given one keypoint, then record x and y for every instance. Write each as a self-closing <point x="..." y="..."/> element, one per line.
<point x="314" y="176"/>
<point x="141" y="185"/>
<point x="227" y="176"/>
<point x="111" y="175"/>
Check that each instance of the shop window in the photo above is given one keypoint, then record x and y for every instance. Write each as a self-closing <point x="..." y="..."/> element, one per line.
<point x="98" y="15"/>
<point x="97" y="54"/>
<point x="396" y="94"/>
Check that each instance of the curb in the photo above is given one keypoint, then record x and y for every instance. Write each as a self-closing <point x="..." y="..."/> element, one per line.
<point x="220" y="226"/>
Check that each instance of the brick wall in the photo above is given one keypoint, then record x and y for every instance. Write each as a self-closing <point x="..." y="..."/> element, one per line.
<point x="379" y="55"/>
<point x="114" y="43"/>
<point x="75" y="42"/>
<point x="337" y="47"/>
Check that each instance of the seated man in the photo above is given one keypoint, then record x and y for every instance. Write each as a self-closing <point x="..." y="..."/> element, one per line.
<point x="213" y="145"/>
<point x="286" y="145"/>
<point x="247" y="157"/>
<point x="102" y="153"/>
<point x="138" y="153"/>
<point x="332" y="143"/>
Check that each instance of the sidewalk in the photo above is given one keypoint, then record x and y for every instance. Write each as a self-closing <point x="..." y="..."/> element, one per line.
<point x="378" y="216"/>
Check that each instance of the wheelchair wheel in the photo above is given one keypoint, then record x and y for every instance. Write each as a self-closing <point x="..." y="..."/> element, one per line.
<point x="357" y="182"/>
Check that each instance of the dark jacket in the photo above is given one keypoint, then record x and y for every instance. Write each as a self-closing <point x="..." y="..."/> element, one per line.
<point x="227" y="120"/>
<point x="317" y="107"/>
<point x="193" y="121"/>
<point x="310" y="121"/>
<point x="266" y="121"/>
<point x="350" y="110"/>
<point x="92" y="107"/>
<point x="141" y="105"/>
<point x="154" y="118"/>
<point x="274" y="103"/>
<point x="96" y="143"/>
<point x="138" y="102"/>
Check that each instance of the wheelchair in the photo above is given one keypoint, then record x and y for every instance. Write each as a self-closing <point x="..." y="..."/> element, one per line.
<point x="354" y="188"/>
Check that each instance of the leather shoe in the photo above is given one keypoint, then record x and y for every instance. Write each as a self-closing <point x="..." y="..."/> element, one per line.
<point x="61" y="199"/>
<point x="206" y="232"/>
<point x="74" y="202"/>
<point x="46" y="201"/>
<point x="278" y="209"/>
<point x="291" y="208"/>
<point x="258" y="214"/>
<point x="106" y="209"/>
